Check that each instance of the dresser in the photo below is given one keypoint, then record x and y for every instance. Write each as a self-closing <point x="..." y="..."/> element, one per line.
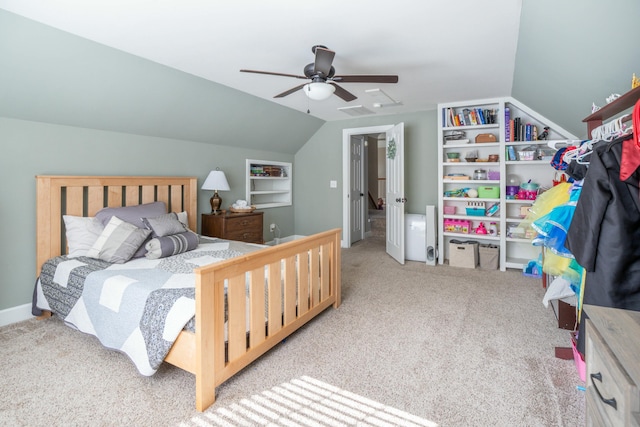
<point x="612" y="355"/>
<point x="245" y="227"/>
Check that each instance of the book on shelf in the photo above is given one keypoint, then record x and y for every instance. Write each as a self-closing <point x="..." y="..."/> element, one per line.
<point x="507" y="128"/>
<point x="468" y="117"/>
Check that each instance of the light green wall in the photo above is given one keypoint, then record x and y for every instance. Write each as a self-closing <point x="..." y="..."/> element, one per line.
<point x="575" y="52"/>
<point x="32" y="148"/>
<point x="50" y="76"/>
<point x="318" y="207"/>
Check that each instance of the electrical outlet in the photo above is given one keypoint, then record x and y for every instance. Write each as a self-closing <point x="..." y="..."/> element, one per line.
<point x="272" y="227"/>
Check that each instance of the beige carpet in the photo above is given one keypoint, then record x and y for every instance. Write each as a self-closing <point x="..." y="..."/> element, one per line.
<point x="442" y="345"/>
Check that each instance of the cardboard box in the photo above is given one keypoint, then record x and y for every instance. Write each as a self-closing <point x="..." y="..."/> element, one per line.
<point x="489" y="257"/>
<point x="463" y="254"/>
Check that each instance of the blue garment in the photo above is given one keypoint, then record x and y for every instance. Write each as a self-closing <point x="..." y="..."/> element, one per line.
<point x="552" y="228"/>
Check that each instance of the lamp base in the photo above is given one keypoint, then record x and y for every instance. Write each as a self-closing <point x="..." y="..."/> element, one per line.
<point x="216" y="202"/>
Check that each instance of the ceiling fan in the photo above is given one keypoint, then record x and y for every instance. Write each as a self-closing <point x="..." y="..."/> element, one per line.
<point x="323" y="78"/>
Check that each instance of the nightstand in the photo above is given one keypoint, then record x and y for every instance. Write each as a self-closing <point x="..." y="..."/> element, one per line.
<point x="245" y="227"/>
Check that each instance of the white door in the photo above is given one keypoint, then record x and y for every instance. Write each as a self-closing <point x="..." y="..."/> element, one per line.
<point x="395" y="192"/>
<point x="356" y="192"/>
<point x="347" y="174"/>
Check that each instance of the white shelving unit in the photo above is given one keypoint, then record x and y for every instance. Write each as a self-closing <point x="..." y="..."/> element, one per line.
<point x="268" y="183"/>
<point x="515" y="250"/>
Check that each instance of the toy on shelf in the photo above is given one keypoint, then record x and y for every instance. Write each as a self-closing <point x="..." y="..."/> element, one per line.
<point x="545" y="134"/>
<point x="480" y="229"/>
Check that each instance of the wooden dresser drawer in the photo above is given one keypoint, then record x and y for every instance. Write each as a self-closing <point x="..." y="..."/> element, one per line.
<point x="609" y="387"/>
<point x="613" y="397"/>
<point x="245" y="227"/>
<point x="240" y="223"/>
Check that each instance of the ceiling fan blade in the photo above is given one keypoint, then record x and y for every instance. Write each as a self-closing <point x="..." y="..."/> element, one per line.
<point x="290" y="91"/>
<point x="366" y="79"/>
<point x="274" y="74"/>
<point x="343" y="93"/>
<point x="324" y="58"/>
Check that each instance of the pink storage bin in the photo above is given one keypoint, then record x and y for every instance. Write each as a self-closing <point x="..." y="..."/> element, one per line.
<point x="449" y="210"/>
<point x="577" y="358"/>
<point x="457" y="226"/>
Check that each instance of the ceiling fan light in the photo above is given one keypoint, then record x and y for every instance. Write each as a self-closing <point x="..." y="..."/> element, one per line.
<point x="319" y="91"/>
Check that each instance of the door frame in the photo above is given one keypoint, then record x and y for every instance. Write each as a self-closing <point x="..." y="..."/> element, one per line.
<point x="346" y="176"/>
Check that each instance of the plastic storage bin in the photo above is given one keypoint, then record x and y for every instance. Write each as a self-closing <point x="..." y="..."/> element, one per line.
<point x="489" y="192"/>
<point x="457" y="225"/>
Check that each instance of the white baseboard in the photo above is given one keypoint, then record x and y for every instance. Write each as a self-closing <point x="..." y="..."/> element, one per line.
<point x="15" y="314"/>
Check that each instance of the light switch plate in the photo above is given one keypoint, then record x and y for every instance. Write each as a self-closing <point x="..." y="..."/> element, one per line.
<point x="333" y="184"/>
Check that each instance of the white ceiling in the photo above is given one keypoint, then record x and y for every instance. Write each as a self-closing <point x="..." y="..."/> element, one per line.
<point x="442" y="50"/>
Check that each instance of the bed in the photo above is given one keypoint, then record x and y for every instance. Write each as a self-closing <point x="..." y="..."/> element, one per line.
<point x="244" y="305"/>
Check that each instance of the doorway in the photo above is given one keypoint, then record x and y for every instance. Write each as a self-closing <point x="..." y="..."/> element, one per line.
<point x="361" y="185"/>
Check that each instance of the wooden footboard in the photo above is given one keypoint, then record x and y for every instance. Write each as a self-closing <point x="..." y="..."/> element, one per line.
<point x="299" y="279"/>
<point x="294" y="280"/>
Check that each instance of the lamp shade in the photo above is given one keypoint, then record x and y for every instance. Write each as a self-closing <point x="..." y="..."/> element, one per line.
<point x="216" y="181"/>
<point x="319" y="91"/>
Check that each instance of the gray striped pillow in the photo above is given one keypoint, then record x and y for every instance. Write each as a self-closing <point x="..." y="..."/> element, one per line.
<point x="118" y="241"/>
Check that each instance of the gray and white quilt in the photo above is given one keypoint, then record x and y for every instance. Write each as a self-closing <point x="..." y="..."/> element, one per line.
<point x="139" y="307"/>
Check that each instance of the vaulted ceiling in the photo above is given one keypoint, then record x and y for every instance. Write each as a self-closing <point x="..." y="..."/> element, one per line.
<point x="441" y="50"/>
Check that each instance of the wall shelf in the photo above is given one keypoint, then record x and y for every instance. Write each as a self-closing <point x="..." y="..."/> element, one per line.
<point x="268" y="183"/>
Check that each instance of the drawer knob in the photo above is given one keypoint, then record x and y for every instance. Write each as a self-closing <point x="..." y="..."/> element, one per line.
<point x="611" y="402"/>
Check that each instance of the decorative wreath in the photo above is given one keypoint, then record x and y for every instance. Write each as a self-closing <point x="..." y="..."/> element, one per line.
<point x="391" y="149"/>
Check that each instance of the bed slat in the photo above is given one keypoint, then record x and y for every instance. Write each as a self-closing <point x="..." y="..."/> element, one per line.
<point x="236" y="300"/>
<point x="95" y="199"/>
<point x="324" y="270"/>
<point x="275" y="298"/>
<point x="257" y="313"/>
<point x="289" y="289"/>
<point x="176" y="199"/>
<point x="132" y="195"/>
<point x="149" y="194"/>
<point x="114" y="197"/>
<point x="303" y="283"/>
<point x="74" y="201"/>
<point x="163" y="195"/>
<point x="314" y="287"/>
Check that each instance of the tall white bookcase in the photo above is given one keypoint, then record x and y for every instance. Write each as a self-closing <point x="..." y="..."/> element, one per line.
<point x="516" y="250"/>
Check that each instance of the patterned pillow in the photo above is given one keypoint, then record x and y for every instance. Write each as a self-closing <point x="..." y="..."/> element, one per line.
<point x="133" y="215"/>
<point x="164" y="225"/>
<point x="118" y="241"/>
<point x="161" y="247"/>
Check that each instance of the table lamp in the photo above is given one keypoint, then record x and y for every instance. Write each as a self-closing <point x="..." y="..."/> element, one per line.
<point x="216" y="181"/>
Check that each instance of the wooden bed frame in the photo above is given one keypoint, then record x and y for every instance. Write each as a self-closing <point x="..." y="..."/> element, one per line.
<point x="305" y="271"/>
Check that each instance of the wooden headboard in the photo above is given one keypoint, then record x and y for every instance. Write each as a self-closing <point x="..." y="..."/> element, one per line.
<point x="86" y="195"/>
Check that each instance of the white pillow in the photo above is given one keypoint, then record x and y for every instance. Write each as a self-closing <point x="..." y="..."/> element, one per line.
<point x="82" y="232"/>
<point x="118" y="241"/>
<point x="182" y="217"/>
